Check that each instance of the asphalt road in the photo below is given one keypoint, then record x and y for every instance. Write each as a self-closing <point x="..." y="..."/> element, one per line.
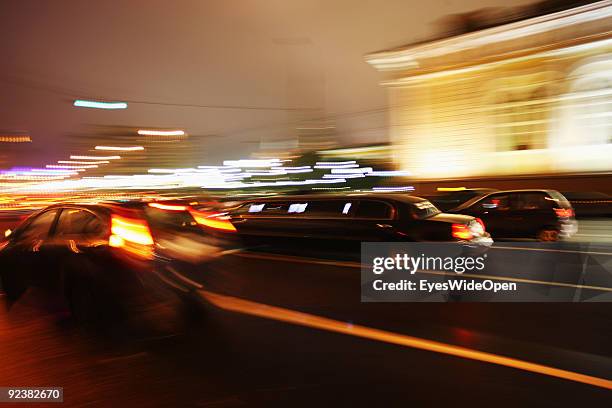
<point x="262" y="354"/>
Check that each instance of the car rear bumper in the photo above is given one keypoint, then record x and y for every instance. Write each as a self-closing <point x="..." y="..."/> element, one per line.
<point x="568" y="228"/>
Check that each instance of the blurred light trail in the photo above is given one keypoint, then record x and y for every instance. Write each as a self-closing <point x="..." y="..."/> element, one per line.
<point x="145" y="132"/>
<point x="351" y="171"/>
<point x="252" y="163"/>
<point x="66" y="166"/>
<point x="392" y="189"/>
<point x="82" y="162"/>
<point x="119" y="148"/>
<point x="95" y="157"/>
<point x="99" y="104"/>
<point x="15" y="139"/>
<point x="169" y="207"/>
<point x="265" y="311"/>
<point x="171" y="171"/>
<point x="335" y="163"/>
<point x="389" y="173"/>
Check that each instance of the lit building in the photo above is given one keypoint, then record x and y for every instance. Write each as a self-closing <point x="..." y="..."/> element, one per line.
<point x="530" y="97"/>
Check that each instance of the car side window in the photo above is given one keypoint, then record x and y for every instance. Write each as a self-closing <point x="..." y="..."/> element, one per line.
<point x="327" y="209"/>
<point x="373" y="209"/>
<point x="39" y="227"/>
<point x="266" y="209"/>
<point x="78" y="222"/>
<point x="533" y="201"/>
<point x="496" y="202"/>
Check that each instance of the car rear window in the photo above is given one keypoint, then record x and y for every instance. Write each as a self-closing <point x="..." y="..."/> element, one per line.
<point x="424" y="209"/>
<point x="170" y="220"/>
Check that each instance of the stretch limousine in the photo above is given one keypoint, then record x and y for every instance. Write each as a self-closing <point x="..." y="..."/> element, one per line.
<point x="341" y="222"/>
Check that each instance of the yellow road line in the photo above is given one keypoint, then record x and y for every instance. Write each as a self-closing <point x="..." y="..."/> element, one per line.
<point x="251" y="308"/>
<point x="345" y="264"/>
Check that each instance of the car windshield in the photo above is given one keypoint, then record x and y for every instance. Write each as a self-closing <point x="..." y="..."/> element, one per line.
<point x="424" y="209"/>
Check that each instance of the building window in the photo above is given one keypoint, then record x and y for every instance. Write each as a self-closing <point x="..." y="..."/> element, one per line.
<point x="589" y="104"/>
<point x="521" y="118"/>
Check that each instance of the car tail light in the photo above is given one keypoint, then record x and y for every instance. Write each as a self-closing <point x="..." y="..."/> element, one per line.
<point x="219" y="221"/>
<point x="462" y="231"/>
<point x="168" y="207"/>
<point x="477" y="227"/>
<point x="131" y="234"/>
<point x="564" y="212"/>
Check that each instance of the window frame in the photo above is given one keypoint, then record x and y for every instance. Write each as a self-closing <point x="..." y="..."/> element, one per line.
<point x="17" y="235"/>
<point x="355" y="202"/>
<point x="105" y="231"/>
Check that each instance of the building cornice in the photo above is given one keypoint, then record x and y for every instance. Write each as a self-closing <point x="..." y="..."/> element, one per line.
<point x="409" y="57"/>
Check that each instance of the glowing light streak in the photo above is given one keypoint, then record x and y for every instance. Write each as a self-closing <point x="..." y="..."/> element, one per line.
<point x="99" y="104"/>
<point x="95" y="157"/>
<point x="147" y="132"/>
<point x="119" y="148"/>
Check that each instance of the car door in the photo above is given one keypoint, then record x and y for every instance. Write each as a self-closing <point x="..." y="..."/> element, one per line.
<point x="22" y="264"/>
<point x="533" y="211"/>
<point x="494" y="210"/>
<point x="264" y="223"/>
<point x="77" y="233"/>
<point x="373" y="221"/>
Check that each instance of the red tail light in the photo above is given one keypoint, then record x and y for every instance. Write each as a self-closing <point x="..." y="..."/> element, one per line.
<point x="482" y="224"/>
<point x="132" y="235"/>
<point x="219" y="221"/>
<point x="461" y="231"/>
<point x="564" y="212"/>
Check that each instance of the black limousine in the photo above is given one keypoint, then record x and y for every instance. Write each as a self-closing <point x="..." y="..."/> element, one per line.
<point x="340" y="222"/>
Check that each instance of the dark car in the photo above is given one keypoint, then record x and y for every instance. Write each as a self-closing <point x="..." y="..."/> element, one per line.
<point x="541" y="214"/>
<point x="109" y="256"/>
<point x="342" y="222"/>
<point x="447" y="200"/>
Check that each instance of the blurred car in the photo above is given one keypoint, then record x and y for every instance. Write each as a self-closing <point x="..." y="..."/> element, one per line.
<point x="107" y="257"/>
<point x="341" y="223"/>
<point x="455" y="197"/>
<point x="545" y="215"/>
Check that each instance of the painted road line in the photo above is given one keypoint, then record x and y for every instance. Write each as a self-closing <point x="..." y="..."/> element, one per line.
<point x="567" y="251"/>
<point x="298" y="259"/>
<point x="345" y="264"/>
<point x="251" y="308"/>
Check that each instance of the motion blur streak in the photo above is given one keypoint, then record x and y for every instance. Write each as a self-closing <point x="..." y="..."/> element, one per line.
<point x="303" y="319"/>
<point x="215" y="220"/>
<point x="161" y="132"/>
<point x="100" y="105"/>
<point x="119" y="148"/>
<point x="168" y="207"/>
<point x="95" y="157"/>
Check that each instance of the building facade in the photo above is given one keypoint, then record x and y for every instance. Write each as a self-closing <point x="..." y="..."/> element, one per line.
<point x="532" y="97"/>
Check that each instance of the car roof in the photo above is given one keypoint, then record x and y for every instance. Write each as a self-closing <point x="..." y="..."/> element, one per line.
<point x="476" y="199"/>
<point x="524" y="190"/>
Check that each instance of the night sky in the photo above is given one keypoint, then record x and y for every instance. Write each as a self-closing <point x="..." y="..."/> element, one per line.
<point x="276" y="62"/>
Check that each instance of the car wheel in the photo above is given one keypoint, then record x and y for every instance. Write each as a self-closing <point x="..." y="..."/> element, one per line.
<point x="548" y="234"/>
